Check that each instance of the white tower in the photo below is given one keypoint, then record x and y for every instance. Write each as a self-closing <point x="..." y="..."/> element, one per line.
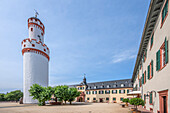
<point x="35" y="58"/>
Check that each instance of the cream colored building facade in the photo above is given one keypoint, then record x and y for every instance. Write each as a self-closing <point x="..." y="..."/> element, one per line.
<point x="152" y="69"/>
<point x="107" y="91"/>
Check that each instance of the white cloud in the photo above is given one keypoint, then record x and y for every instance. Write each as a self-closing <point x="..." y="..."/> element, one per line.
<point x="123" y="56"/>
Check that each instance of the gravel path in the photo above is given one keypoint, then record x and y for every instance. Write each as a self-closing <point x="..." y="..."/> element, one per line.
<point x="75" y="108"/>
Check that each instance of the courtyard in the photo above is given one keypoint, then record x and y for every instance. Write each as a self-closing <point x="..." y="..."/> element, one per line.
<point x="75" y="108"/>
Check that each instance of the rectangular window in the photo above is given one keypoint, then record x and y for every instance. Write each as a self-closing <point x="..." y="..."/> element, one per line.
<point x="31" y="29"/>
<point x="145" y="55"/>
<point x="107" y="91"/>
<point x="150" y="70"/>
<point x="102" y="92"/>
<point x="151" y="98"/>
<point x="144" y="78"/>
<point x="107" y="98"/>
<point x="121" y="98"/>
<point x="92" y="92"/>
<point x="114" y="99"/>
<point x="162" y="56"/>
<point x="121" y="91"/>
<point x="151" y="41"/>
<point x="144" y="98"/>
<point x="114" y="91"/>
<point x="164" y="12"/>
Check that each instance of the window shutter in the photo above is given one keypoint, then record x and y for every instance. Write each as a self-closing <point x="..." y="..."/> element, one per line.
<point x="124" y="91"/>
<point x="112" y="91"/>
<point x="152" y="68"/>
<point x="151" y="98"/>
<point x="158" y="60"/>
<point x="119" y="91"/>
<point x="166" y="51"/>
<point x="143" y="78"/>
<point x="116" y="91"/>
<point x="127" y="91"/>
<point x="105" y="92"/>
<point x="148" y="72"/>
<point x="145" y="53"/>
<point x="109" y="91"/>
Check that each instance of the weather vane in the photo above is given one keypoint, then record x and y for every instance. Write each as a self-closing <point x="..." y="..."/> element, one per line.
<point x="36" y="13"/>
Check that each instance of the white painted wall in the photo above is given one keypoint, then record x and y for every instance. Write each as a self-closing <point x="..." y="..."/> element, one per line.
<point x="160" y="80"/>
<point x="35" y="70"/>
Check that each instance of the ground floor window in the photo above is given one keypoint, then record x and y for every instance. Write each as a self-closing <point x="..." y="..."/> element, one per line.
<point x="88" y="98"/>
<point x="121" y="98"/>
<point x="151" y="98"/>
<point x="94" y="98"/>
<point x="114" y="99"/>
<point x="107" y="98"/>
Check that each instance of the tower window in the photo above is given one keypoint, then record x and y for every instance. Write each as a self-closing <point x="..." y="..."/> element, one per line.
<point x="31" y="29"/>
<point x="33" y="45"/>
<point x="44" y="49"/>
<point x="42" y="34"/>
<point x="24" y="45"/>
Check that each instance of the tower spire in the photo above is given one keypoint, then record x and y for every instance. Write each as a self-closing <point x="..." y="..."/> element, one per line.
<point x="36" y="13"/>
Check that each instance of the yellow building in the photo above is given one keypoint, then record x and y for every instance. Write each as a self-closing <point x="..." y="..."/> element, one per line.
<point x="106" y="91"/>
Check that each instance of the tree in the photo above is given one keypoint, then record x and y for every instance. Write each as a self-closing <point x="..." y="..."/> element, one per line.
<point x="73" y="93"/>
<point x="126" y="100"/>
<point x="40" y="93"/>
<point x="14" y="95"/>
<point x="61" y="92"/>
<point x="136" y="102"/>
<point x="2" y="98"/>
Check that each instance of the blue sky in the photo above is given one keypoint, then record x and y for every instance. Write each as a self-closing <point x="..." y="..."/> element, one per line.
<point x="97" y="37"/>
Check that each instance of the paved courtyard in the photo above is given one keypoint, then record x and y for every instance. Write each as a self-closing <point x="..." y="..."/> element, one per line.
<point x="76" y="108"/>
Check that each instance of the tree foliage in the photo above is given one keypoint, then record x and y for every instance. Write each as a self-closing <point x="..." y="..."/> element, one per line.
<point x="40" y="93"/>
<point x="126" y="100"/>
<point x="72" y="94"/>
<point x="136" y="102"/>
<point x="63" y="93"/>
<point x="2" y="97"/>
<point x="13" y="96"/>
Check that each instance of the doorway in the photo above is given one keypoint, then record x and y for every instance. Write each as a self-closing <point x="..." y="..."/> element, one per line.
<point x="163" y="101"/>
<point x="101" y="99"/>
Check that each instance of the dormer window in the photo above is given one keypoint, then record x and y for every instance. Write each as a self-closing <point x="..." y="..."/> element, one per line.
<point x="114" y="85"/>
<point x="108" y="86"/>
<point x="122" y="85"/>
<point x="95" y="87"/>
<point x="102" y="86"/>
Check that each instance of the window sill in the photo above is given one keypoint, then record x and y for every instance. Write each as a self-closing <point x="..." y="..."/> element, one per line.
<point x="162" y="67"/>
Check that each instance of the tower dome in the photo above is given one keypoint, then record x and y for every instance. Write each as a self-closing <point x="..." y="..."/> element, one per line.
<point x="35" y="58"/>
